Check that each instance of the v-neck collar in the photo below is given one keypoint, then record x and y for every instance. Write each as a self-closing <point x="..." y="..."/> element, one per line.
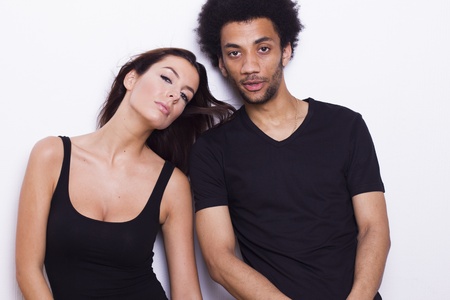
<point x="252" y="126"/>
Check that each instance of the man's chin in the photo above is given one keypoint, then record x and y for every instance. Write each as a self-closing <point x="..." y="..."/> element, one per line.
<point x="254" y="100"/>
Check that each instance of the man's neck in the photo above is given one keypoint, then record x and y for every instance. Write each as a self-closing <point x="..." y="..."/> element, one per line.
<point x="279" y="117"/>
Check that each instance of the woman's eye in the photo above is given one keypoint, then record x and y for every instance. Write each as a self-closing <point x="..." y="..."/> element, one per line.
<point x="166" y="79"/>
<point x="184" y="97"/>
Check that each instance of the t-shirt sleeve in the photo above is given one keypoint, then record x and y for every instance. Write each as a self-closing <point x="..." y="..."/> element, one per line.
<point x="206" y="175"/>
<point x="363" y="171"/>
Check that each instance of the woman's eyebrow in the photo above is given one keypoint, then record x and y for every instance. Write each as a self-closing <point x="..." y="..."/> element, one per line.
<point x="178" y="76"/>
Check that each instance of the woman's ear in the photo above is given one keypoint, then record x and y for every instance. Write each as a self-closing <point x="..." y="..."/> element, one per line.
<point x="287" y="54"/>
<point x="130" y="80"/>
<point x="222" y="68"/>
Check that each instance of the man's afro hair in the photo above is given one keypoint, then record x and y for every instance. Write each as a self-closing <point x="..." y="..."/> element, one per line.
<point x="216" y="13"/>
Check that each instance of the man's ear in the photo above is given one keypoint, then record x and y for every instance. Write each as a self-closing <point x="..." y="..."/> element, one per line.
<point x="287" y="54"/>
<point x="130" y="80"/>
<point x="222" y="68"/>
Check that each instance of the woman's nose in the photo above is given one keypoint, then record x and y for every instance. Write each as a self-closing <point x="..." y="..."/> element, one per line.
<point x="171" y="94"/>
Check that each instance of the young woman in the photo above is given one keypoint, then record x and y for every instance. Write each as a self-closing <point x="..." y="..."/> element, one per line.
<point x="92" y="205"/>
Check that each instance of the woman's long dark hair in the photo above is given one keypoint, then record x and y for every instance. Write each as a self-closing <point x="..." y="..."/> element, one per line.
<point x="201" y="113"/>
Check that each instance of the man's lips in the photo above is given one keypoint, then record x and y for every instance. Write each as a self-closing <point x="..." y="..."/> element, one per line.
<point x="253" y="86"/>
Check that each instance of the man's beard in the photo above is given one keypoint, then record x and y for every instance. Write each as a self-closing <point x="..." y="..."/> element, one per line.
<point x="271" y="90"/>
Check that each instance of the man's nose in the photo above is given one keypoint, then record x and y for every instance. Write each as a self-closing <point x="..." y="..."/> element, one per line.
<point x="250" y="65"/>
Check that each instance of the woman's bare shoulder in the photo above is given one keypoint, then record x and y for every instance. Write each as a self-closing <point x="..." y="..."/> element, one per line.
<point x="48" y="150"/>
<point x="178" y="180"/>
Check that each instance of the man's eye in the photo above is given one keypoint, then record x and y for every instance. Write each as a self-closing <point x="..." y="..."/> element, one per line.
<point x="264" y="49"/>
<point x="233" y="53"/>
<point x="166" y="79"/>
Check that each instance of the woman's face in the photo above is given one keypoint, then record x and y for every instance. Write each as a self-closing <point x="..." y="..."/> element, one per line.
<point x="163" y="91"/>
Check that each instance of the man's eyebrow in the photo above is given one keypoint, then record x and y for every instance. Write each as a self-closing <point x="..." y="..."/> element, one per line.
<point x="231" y="45"/>
<point x="263" y="39"/>
<point x="260" y="40"/>
<point x="178" y="76"/>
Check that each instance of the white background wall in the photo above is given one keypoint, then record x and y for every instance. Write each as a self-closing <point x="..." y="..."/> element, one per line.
<point x="387" y="59"/>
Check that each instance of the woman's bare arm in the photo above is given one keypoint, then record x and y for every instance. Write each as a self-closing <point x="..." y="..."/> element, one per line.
<point x="39" y="182"/>
<point x="177" y="229"/>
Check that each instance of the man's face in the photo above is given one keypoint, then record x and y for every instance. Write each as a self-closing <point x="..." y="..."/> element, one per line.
<point x="252" y="59"/>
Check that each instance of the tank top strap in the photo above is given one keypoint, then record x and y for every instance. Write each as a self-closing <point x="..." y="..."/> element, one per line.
<point x="66" y="160"/>
<point x="163" y="179"/>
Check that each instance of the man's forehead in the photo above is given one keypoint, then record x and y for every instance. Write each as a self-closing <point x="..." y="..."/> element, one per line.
<point x="251" y="31"/>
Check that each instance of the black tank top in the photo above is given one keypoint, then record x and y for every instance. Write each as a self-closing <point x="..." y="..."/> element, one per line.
<point x="92" y="259"/>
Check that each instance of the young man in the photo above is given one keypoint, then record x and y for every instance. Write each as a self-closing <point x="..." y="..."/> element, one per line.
<point x="297" y="182"/>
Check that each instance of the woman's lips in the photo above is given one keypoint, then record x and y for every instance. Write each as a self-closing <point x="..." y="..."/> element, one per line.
<point x="163" y="108"/>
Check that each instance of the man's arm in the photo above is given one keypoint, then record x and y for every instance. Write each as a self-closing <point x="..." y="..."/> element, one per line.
<point x="217" y="242"/>
<point x="373" y="244"/>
